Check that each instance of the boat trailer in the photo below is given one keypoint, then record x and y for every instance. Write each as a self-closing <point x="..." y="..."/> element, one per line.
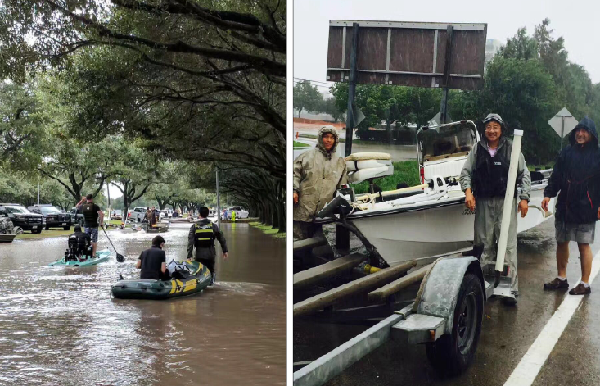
<point x="445" y="314"/>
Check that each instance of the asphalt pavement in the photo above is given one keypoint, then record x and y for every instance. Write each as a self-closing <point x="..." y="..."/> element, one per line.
<point x="508" y="333"/>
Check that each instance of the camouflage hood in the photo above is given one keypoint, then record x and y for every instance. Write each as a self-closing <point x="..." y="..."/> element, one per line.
<point x="327" y="130"/>
<point x="6" y="226"/>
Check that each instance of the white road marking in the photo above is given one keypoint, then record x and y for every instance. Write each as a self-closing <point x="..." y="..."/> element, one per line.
<point x="531" y="363"/>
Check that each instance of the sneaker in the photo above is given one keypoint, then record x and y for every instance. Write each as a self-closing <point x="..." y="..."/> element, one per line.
<point x="580" y="289"/>
<point x="556" y="284"/>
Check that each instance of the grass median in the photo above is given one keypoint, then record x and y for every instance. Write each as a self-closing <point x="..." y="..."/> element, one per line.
<point x="405" y="172"/>
<point x="268" y="230"/>
<point x="58" y="232"/>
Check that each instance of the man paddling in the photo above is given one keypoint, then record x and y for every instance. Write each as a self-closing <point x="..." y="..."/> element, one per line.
<point x="93" y="217"/>
<point x="152" y="261"/>
<point x="202" y="236"/>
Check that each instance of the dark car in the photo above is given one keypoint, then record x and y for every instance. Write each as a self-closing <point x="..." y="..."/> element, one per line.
<point x="21" y="217"/>
<point x="55" y="218"/>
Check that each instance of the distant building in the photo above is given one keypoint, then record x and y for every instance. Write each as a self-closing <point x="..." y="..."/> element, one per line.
<point x="492" y="46"/>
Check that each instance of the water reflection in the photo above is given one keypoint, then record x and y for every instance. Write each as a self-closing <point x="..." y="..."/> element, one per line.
<point x="61" y="326"/>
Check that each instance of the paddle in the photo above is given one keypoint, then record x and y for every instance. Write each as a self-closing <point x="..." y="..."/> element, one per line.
<point x="120" y="258"/>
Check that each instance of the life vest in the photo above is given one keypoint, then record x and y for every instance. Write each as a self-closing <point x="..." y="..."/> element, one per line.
<point x="205" y="235"/>
<point x="78" y="244"/>
<point x="490" y="176"/>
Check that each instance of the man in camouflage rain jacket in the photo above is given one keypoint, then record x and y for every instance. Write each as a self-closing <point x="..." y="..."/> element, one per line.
<point x="6" y="226"/>
<point x="317" y="175"/>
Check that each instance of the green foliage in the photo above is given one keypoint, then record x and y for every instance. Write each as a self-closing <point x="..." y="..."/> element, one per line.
<point x="399" y="104"/>
<point x="22" y="136"/>
<point x="300" y="144"/>
<point x="307" y="97"/>
<point x="405" y="172"/>
<point x="524" y="94"/>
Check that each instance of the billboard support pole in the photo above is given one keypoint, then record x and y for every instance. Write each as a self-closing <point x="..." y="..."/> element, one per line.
<point x="351" y="89"/>
<point x="444" y="101"/>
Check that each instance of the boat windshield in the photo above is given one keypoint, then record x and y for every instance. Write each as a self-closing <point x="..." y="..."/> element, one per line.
<point x="450" y="141"/>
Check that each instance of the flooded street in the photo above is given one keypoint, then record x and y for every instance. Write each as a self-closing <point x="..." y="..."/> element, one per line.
<point x="61" y="327"/>
<point x="506" y="336"/>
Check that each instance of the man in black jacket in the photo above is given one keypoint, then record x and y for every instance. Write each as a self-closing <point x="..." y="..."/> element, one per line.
<point x="152" y="261"/>
<point x="79" y="244"/>
<point x="202" y="236"/>
<point x="576" y="181"/>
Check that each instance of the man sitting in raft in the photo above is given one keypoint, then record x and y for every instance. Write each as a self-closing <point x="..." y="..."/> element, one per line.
<point x="152" y="261"/>
<point x="79" y="245"/>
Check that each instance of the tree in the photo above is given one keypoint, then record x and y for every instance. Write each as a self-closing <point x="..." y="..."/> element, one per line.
<point x="22" y="136"/>
<point x="524" y="94"/>
<point x="134" y="172"/>
<point x="520" y="46"/>
<point x="307" y="97"/>
<point x="330" y="107"/>
<point x="229" y="52"/>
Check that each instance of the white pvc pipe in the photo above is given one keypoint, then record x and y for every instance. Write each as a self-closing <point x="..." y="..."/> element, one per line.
<point x="508" y="199"/>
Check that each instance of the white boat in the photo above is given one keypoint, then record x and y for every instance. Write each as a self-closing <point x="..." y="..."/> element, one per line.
<point x="433" y="219"/>
<point x="430" y="223"/>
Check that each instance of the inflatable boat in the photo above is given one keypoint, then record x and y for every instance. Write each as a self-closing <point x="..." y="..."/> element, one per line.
<point x="187" y="278"/>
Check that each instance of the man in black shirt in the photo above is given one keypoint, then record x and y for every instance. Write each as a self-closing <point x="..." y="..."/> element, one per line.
<point x="152" y="261"/>
<point x="79" y="244"/>
<point x="202" y="236"/>
<point x="93" y="217"/>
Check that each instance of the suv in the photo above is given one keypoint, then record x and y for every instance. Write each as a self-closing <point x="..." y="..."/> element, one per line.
<point x="55" y="218"/>
<point x="21" y="217"/>
<point x="138" y="214"/>
<point x="239" y="212"/>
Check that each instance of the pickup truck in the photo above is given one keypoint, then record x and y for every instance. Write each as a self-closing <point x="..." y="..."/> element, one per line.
<point x="22" y="218"/>
<point x="54" y="217"/>
<point x="138" y="214"/>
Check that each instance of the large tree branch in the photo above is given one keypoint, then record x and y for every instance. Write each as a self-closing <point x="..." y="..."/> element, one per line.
<point x="269" y="66"/>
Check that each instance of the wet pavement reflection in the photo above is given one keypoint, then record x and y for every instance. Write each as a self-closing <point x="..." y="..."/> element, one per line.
<point x="61" y="326"/>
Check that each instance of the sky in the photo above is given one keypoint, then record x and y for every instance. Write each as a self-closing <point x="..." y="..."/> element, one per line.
<point x="576" y="21"/>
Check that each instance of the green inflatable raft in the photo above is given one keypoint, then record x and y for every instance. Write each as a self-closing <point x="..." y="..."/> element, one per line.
<point x="89" y="261"/>
<point x="188" y="278"/>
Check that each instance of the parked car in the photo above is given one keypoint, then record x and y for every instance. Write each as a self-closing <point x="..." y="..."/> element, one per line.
<point x="116" y="215"/>
<point x="163" y="214"/>
<point x="138" y="213"/>
<point x="239" y="212"/>
<point x="21" y="217"/>
<point x="53" y="216"/>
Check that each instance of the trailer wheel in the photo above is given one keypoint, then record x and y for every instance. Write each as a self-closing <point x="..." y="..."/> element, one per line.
<point x="452" y="353"/>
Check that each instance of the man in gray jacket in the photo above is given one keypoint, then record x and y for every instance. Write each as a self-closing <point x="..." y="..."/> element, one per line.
<point x="484" y="180"/>
<point x="317" y="175"/>
<point x="202" y="236"/>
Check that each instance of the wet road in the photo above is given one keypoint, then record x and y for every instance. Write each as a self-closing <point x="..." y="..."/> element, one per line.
<point x="60" y="326"/>
<point x="507" y="333"/>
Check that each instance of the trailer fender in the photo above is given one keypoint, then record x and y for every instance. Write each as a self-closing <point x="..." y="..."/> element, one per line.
<point x="438" y="294"/>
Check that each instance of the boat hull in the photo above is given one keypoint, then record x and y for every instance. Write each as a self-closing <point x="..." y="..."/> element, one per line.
<point x="431" y="229"/>
<point x="164" y="289"/>
<point x="101" y="256"/>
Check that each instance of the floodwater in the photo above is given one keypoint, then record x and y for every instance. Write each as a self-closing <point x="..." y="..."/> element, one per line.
<point x="61" y="327"/>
